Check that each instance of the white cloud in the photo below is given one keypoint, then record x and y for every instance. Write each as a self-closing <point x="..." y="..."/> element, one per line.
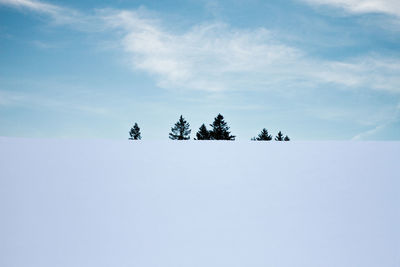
<point x="59" y="15"/>
<point x="43" y="45"/>
<point x="370" y="71"/>
<point x="207" y="57"/>
<point x="33" y="5"/>
<point x="368" y="133"/>
<point x="217" y="57"/>
<point x="383" y="131"/>
<point x="388" y="123"/>
<point x="391" y="7"/>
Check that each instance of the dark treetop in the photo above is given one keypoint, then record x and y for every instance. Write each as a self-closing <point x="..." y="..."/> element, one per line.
<point x="263" y="136"/>
<point x="280" y="137"/>
<point x="181" y="130"/>
<point x="203" y="133"/>
<point x="220" y="129"/>
<point x="135" y="132"/>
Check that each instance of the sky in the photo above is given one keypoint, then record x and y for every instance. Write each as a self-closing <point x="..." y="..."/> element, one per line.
<point x="313" y="69"/>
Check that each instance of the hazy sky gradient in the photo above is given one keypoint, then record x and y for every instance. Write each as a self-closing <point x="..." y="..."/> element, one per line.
<point x="317" y="70"/>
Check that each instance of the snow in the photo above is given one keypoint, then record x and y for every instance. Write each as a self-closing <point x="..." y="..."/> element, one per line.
<point x="198" y="203"/>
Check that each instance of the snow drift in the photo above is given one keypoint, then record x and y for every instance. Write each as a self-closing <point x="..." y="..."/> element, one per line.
<point x="209" y="204"/>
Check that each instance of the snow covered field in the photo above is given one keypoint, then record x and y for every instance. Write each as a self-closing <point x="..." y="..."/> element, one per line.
<point x="208" y="204"/>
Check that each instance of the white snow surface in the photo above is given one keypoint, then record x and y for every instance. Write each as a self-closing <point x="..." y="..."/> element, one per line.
<point x="199" y="203"/>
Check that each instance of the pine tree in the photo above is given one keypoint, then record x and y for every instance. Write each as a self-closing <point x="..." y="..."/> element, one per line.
<point x="135" y="133"/>
<point x="181" y="130"/>
<point x="279" y="137"/>
<point x="203" y="133"/>
<point x="263" y="136"/>
<point x="286" y="138"/>
<point x="220" y="129"/>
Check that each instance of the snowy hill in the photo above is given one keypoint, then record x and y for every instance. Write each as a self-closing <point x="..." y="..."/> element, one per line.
<point x="209" y="204"/>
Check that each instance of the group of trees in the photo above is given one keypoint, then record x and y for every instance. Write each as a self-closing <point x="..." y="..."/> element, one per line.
<point x="265" y="136"/>
<point x="219" y="131"/>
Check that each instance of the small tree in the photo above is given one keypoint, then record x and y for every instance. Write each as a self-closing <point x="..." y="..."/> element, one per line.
<point x="263" y="136"/>
<point x="203" y="133"/>
<point x="181" y="130"/>
<point x="220" y="129"/>
<point x="279" y="137"/>
<point x="135" y="133"/>
<point x="286" y="138"/>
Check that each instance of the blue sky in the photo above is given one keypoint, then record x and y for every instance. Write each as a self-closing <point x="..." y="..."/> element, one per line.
<point x="316" y="70"/>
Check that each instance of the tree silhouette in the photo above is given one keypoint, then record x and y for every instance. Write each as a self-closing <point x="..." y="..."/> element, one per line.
<point x="286" y="138"/>
<point x="263" y="136"/>
<point x="135" y="133"/>
<point x="279" y="137"/>
<point x="203" y="133"/>
<point x="220" y="129"/>
<point x="181" y="130"/>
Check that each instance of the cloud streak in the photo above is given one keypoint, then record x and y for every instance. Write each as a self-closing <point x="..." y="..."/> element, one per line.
<point x="210" y="57"/>
<point x="31" y="100"/>
<point x="391" y="7"/>
<point x="60" y="15"/>
<point x="33" y="5"/>
<point x="216" y="57"/>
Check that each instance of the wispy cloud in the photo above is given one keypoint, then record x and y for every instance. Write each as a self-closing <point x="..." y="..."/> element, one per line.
<point x="217" y="57"/>
<point x="212" y="57"/>
<point x="388" y="123"/>
<point x="391" y="7"/>
<point x="59" y="14"/>
<point x="43" y="45"/>
<point x="369" y="71"/>
<point x="33" y="5"/>
<point x="32" y="100"/>
<point x="379" y="130"/>
<point x="365" y="135"/>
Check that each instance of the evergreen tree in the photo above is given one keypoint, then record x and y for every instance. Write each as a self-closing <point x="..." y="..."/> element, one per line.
<point x="220" y="129"/>
<point x="203" y="133"/>
<point x="279" y="137"/>
<point x="181" y="130"/>
<point x="263" y="136"/>
<point x="135" y="132"/>
<point x="286" y="138"/>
